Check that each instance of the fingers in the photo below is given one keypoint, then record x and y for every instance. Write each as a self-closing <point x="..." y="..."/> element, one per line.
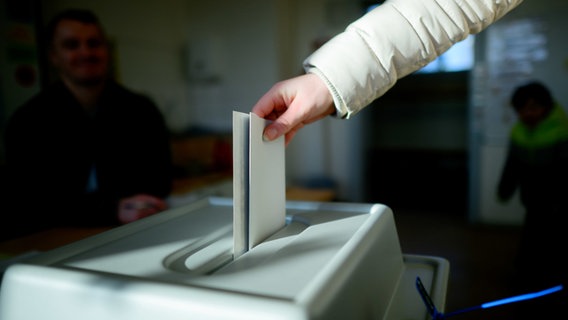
<point x="139" y="206"/>
<point x="280" y="126"/>
<point x="272" y="104"/>
<point x="288" y="123"/>
<point x="153" y="202"/>
<point x="293" y="103"/>
<point x="275" y="105"/>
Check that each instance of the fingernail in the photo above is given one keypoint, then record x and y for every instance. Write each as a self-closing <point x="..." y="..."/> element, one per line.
<point x="269" y="134"/>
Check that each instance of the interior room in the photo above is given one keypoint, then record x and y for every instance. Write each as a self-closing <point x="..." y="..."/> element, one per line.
<point x="431" y="149"/>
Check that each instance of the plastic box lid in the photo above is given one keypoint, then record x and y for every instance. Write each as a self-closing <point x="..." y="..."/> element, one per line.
<point x="330" y="261"/>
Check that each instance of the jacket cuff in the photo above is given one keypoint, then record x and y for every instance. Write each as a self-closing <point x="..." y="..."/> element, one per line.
<point x="341" y="110"/>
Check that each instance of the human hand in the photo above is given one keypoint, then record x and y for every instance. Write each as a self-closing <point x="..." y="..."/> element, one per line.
<point x="139" y="206"/>
<point x="293" y="103"/>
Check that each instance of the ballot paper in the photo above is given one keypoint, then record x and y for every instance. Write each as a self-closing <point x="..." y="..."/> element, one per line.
<point x="259" y="185"/>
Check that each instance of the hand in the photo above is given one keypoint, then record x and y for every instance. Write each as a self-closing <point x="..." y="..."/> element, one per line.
<point x="293" y="103"/>
<point x="138" y="207"/>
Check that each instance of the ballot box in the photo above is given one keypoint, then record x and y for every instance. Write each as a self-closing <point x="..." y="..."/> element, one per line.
<point x="331" y="260"/>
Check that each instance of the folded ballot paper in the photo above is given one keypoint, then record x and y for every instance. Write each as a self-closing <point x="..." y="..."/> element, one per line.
<point x="259" y="184"/>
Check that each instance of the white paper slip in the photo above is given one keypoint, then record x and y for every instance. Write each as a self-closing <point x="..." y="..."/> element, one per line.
<point x="267" y="183"/>
<point x="240" y="182"/>
<point x="259" y="194"/>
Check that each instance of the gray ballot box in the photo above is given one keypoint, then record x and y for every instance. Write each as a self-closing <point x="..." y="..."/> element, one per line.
<point x="330" y="261"/>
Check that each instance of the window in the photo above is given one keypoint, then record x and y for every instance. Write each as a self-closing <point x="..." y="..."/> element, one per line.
<point x="460" y="57"/>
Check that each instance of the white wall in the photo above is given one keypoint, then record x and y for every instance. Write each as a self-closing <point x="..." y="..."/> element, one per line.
<point x="329" y="148"/>
<point x="245" y="46"/>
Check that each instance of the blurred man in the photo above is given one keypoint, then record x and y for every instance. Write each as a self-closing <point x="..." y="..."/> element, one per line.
<point x="537" y="166"/>
<point x="85" y="151"/>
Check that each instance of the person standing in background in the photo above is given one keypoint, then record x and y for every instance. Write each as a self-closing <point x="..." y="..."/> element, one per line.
<point x="536" y="166"/>
<point x="85" y="151"/>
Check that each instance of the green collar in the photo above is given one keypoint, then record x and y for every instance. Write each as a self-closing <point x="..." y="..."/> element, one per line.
<point x="552" y="129"/>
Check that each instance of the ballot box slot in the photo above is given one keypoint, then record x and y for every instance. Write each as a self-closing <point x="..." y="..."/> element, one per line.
<point x="215" y="251"/>
<point x="203" y="256"/>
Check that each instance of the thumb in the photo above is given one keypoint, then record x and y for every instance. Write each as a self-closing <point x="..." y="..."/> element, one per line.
<point x="284" y="124"/>
<point x="274" y="130"/>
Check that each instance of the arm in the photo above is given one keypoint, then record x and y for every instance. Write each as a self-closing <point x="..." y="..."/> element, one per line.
<point x="373" y="59"/>
<point x="362" y="63"/>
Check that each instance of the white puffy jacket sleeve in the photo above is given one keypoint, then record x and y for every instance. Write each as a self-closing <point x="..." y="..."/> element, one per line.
<point x="393" y="40"/>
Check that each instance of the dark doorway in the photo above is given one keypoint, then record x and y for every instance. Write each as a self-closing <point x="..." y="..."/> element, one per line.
<point x="416" y="144"/>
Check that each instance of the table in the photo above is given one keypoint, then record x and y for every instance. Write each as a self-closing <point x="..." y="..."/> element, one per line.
<point x="51" y="239"/>
<point x="45" y="240"/>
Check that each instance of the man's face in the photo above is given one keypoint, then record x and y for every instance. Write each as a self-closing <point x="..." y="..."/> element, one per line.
<point x="532" y="113"/>
<point x="80" y="53"/>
